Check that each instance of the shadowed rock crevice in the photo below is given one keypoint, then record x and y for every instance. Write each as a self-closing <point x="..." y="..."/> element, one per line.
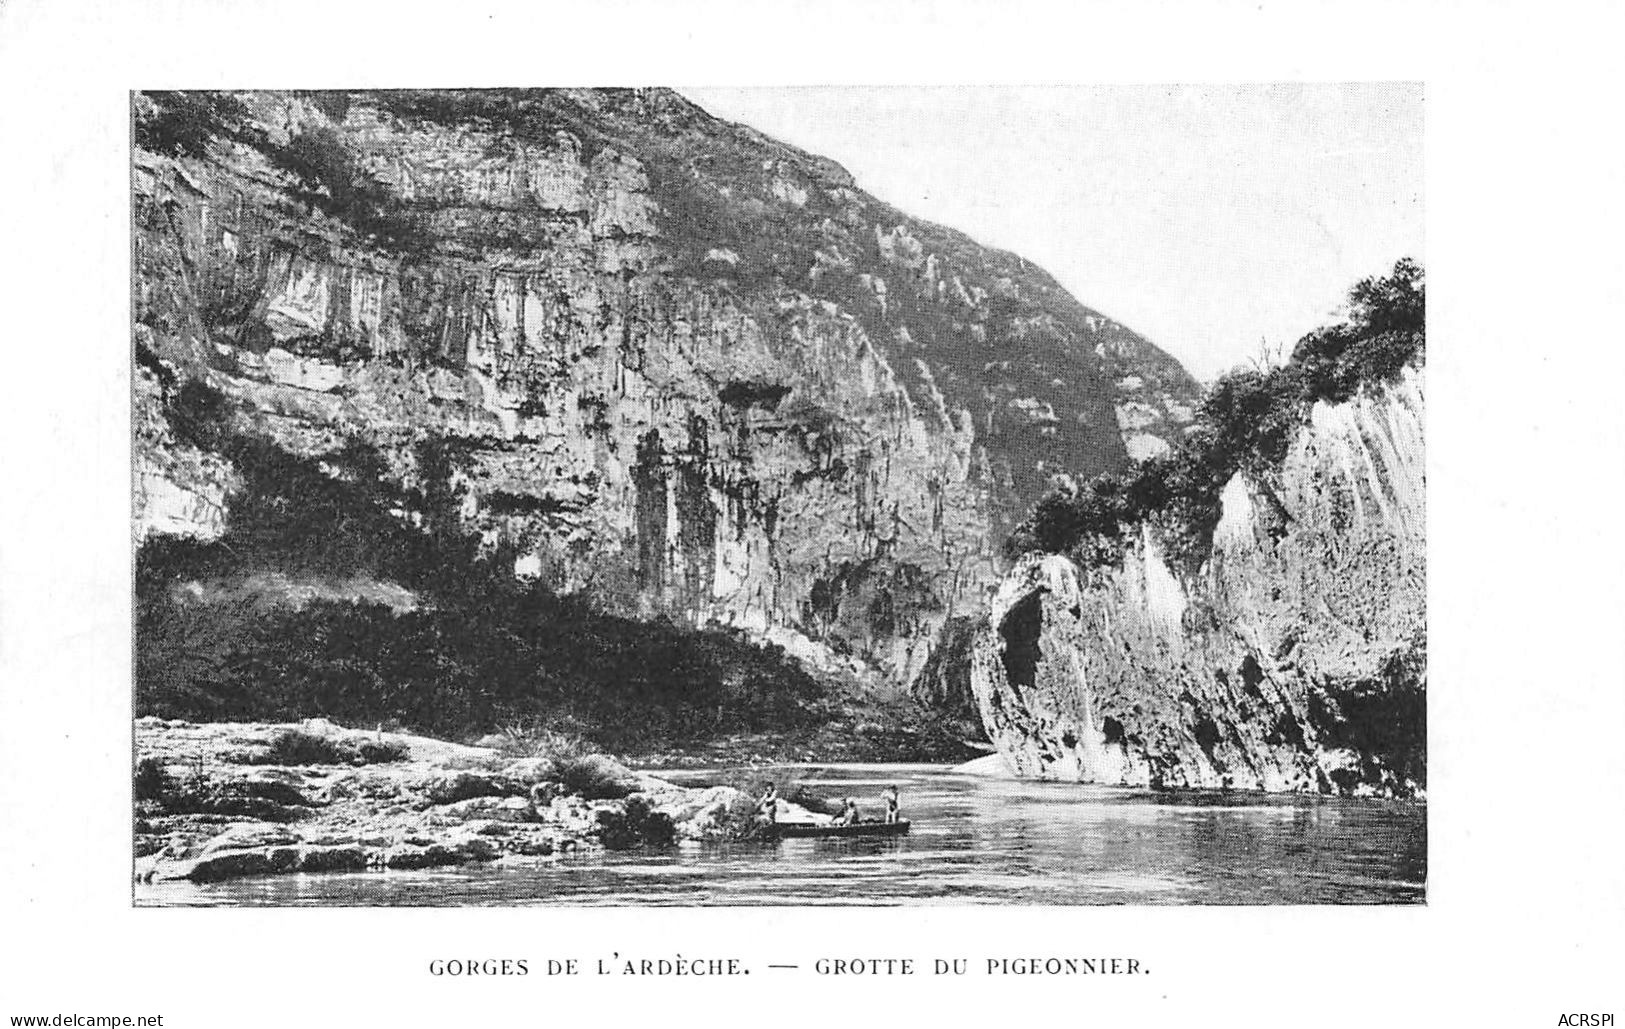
<point x="1021" y="628"/>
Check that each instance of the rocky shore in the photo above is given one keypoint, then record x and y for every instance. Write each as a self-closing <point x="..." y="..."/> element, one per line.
<point x="224" y="800"/>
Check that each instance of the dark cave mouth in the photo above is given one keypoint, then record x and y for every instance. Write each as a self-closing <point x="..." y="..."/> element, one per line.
<point x="1021" y="628"/>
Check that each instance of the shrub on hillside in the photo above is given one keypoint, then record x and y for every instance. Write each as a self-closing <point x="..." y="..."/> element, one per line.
<point x="183" y="124"/>
<point x="1383" y="334"/>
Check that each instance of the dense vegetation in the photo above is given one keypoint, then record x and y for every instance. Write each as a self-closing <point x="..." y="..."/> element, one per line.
<point x="183" y="124"/>
<point x="1246" y="423"/>
<point x="523" y="655"/>
<point x="480" y="650"/>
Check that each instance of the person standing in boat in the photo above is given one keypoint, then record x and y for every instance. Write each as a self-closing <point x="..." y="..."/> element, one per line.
<point x="769" y="804"/>
<point x="890" y="796"/>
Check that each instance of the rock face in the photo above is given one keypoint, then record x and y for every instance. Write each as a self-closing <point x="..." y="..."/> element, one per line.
<point x="665" y="359"/>
<point x="1295" y="661"/>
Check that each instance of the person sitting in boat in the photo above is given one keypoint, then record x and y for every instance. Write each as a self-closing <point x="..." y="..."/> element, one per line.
<point x="848" y="815"/>
<point x="769" y="804"/>
<point x="891" y="804"/>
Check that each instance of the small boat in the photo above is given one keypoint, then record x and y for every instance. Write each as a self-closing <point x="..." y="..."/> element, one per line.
<point x="797" y="830"/>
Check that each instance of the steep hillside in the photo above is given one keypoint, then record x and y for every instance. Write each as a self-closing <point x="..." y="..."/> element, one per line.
<point x="1252" y="614"/>
<point x="1296" y="662"/>
<point x="646" y="357"/>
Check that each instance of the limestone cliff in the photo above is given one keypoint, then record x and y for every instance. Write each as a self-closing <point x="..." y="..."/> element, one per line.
<point x="1294" y="661"/>
<point x="659" y="358"/>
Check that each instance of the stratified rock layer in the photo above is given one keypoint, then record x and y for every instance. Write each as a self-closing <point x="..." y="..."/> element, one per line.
<point x="669" y="361"/>
<point x="1296" y="660"/>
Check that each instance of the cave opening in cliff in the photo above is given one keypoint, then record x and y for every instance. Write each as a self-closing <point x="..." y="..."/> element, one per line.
<point x="1021" y="627"/>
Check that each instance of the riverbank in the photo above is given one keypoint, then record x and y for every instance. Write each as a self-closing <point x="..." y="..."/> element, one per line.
<point x="973" y="840"/>
<point x="228" y="799"/>
<point x="852" y="739"/>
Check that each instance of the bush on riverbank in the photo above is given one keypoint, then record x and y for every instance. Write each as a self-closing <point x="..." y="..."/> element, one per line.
<point x="594" y="776"/>
<point x="152" y="781"/>
<point x="553" y="739"/>
<point x="297" y="747"/>
<point x="636" y="825"/>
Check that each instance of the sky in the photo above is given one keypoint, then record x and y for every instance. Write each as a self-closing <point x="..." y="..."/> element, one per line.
<point x="1221" y="222"/>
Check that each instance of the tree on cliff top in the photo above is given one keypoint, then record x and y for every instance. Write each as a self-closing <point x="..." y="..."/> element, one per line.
<point x="1247" y="422"/>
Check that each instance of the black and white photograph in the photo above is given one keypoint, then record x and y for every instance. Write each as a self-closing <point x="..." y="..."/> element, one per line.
<point x="691" y="512"/>
<point x="579" y="496"/>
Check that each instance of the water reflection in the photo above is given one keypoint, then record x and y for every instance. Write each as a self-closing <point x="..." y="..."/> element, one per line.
<point x="974" y="841"/>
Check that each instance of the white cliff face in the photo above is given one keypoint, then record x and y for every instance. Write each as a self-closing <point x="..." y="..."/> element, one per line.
<point x="1031" y="682"/>
<point x="1295" y="661"/>
<point x="641" y="405"/>
<point x="177" y="490"/>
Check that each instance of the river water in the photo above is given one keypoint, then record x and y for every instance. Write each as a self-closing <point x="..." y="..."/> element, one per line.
<point x="974" y="840"/>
